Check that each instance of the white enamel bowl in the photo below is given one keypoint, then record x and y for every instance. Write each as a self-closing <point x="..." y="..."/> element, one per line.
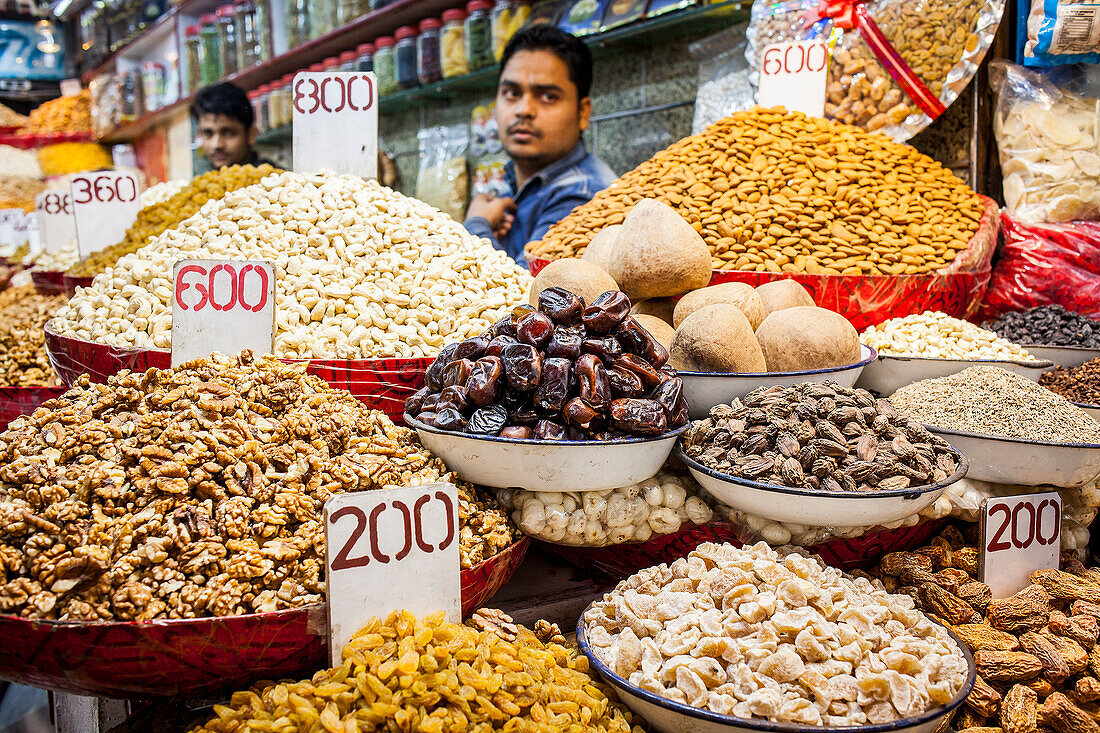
<point x="818" y="508"/>
<point x="888" y="374"/>
<point x="1003" y="460"/>
<point x="547" y="465"/>
<point x="704" y="390"/>
<point x="1092" y="411"/>
<point x="668" y="716"/>
<point x="1064" y="356"/>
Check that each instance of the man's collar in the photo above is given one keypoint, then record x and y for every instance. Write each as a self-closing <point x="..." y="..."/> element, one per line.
<point x="550" y="172"/>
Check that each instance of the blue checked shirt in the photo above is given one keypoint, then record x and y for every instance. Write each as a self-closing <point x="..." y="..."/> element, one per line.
<point x="546" y="199"/>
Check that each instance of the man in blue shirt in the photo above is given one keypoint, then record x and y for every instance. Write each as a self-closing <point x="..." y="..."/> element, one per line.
<point x="542" y="107"/>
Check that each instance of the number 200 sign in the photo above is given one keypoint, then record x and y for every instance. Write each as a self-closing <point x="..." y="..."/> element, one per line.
<point x="793" y="74"/>
<point x="104" y="206"/>
<point x="390" y="550"/>
<point x="335" y="122"/>
<point x="1020" y="534"/>
<point x="221" y="306"/>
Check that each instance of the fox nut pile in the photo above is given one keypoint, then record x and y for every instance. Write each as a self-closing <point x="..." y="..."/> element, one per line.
<point x="196" y="491"/>
<point x="362" y="272"/>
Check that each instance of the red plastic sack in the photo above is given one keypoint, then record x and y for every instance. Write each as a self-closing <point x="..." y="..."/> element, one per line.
<point x="1044" y="264"/>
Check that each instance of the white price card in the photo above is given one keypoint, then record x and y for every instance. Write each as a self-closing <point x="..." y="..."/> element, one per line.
<point x="792" y="74"/>
<point x="56" y="224"/>
<point x="34" y="234"/>
<point x="335" y="122"/>
<point x="222" y="306"/>
<point x="390" y="550"/>
<point x="12" y="233"/>
<point x="104" y="204"/>
<point x="70" y="87"/>
<point x="1019" y="535"/>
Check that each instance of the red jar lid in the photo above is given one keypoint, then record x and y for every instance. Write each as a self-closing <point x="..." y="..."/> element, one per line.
<point x="192" y="30"/>
<point x="208" y="18"/>
<point x="330" y="63"/>
<point x="254" y="94"/>
<point x="287" y="79"/>
<point x="454" y="15"/>
<point x="363" y="48"/>
<point x="316" y="67"/>
<point x="405" y="31"/>
<point x="478" y="5"/>
<point x="347" y="56"/>
<point x="430" y="23"/>
<point x="225" y="11"/>
<point x="384" y="42"/>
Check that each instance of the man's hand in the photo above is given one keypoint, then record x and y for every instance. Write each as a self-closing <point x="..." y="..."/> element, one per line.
<point x="498" y="211"/>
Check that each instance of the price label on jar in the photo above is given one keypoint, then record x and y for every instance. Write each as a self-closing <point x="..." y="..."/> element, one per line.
<point x="222" y="306"/>
<point x="56" y="223"/>
<point x="793" y="74"/>
<point x="12" y="228"/>
<point x="390" y="550"/>
<point x="335" y="122"/>
<point x="104" y="206"/>
<point x="1019" y="535"/>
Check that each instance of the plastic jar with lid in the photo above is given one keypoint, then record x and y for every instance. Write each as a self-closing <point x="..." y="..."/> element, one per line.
<point x="347" y="61"/>
<point x="227" y="39"/>
<point x="262" y="13"/>
<point x="404" y="52"/>
<point x="452" y="43"/>
<point x="428" y="66"/>
<point x="192" y="55"/>
<point x="297" y="23"/>
<point x="346" y="11"/>
<point x="385" y="64"/>
<point x="364" y="57"/>
<point x="322" y="17"/>
<point x="332" y="63"/>
<point x="501" y="18"/>
<point x="479" y="35"/>
<point x="258" y="99"/>
<point x="280" y="108"/>
<point x="244" y="18"/>
<point x="211" y="50"/>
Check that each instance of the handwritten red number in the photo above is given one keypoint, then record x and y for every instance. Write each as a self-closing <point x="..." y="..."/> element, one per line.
<point x="997" y="543"/>
<point x="342" y="561"/>
<point x="1057" y="533"/>
<point x="82" y="196"/>
<point x="182" y="286"/>
<point x="232" y="272"/>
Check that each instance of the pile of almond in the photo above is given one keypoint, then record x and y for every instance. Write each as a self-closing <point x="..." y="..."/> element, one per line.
<point x="1036" y="653"/>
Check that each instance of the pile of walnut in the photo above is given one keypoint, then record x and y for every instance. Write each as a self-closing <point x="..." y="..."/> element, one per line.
<point x="23" y="358"/>
<point x="196" y="491"/>
<point x="1036" y="653"/>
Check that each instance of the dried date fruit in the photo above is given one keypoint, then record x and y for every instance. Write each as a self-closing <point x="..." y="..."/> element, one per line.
<point x="645" y="417"/>
<point x="983" y="699"/>
<point x="562" y="306"/>
<point x="951" y="608"/>
<point x="982" y="636"/>
<point x="606" y="312"/>
<point x="1086" y="608"/>
<point x="578" y="414"/>
<point x="415" y="404"/>
<point x="972" y="721"/>
<point x="535" y="329"/>
<point x="549" y="430"/>
<point x="522" y="366"/>
<point x="638" y="341"/>
<point x="1025" y="611"/>
<point x="624" y="383"/>
<point x="565" y="343"/>
<point x="607" y="348"/>
<point x="517" y="432"/>
<point x="471" y="348"/>
<point x="457" y="372"/>
<point x="1074" y="654"/>
<point x="456" y="397"/>
<point x="1055" y="668"/>
<point x="1019" y="710"/>
<point x="966" y="559"/>
<point x="592" y="380"/>
<point x="669" y="395"/>
<point x="557" y="380"/>
<point x="1066" y="587"/>
<point x="488" y="420"/>
<point x="503" y="327"/>
<point x="448" y="418"/>
<point x="1060" y="714"/>
<point x="497" y="346"/>
<point x="895" y="563"/>
<point x="1082" y="629"/>
<point x="644" y="370"/>
<point x="976" y="594"/>
<point x="486" y="380"/>
<point x="1087" y="690"/>
<point x="1007" y="666"/>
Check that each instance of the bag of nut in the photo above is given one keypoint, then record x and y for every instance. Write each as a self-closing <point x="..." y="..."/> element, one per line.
<point x="895" y="65"/>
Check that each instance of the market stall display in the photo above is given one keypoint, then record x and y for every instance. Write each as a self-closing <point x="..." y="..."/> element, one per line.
<point x="1011" y="429"/>
<point x="157" y="217"/>
<point x="26" y="379"/>
<point x="158" y="193"/>
<point x="18" y="192"/>
<point x="10" y="119"/>
<point x="18" y="164"/>
<point x="1033" y="651"/>
<point x="1079" y="384"/>
<point x="665" y="636"/>
<point x="1052" y="332"/>
<point x="73" y="157"/>
<point x="64" y="114"/>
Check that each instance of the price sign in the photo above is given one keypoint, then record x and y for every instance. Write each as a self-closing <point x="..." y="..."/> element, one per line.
<point x="1019" y="535"/>
<point x="56" y="224"/>
<point x="12" y="231"/>
<point x="336" y="122"/>
<point x="389" y="550"/>
<point x="34" y="235"/>
<point x="70" y="87"/>
<point x="104" y="206"/>
<point x="792" y="74"/>
<point x="222" y="306"/>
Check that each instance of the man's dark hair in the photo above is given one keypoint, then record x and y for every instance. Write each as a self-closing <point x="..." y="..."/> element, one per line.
<point x="567" y="47"/>
<point x="224" y="99"/>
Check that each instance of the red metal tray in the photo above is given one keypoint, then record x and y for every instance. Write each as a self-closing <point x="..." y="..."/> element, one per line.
<point x="72" y="282"/>
<point x="16" y="401"/>
<point x="48" y="282"/>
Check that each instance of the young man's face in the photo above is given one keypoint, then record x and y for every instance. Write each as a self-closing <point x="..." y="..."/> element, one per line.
<point x="224" y="140"/>
<point x="537" y="109"/>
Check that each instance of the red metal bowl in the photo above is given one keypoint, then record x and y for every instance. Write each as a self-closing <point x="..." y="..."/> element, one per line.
<point x="48" y="282"/>
<point x="192" y="657"/>
<point x="381" y="384"/>
<point x="621" y="561"/>
<point x="867" y="300"/>
<point x="72" y="282"/>
<point x="16" y="401"/>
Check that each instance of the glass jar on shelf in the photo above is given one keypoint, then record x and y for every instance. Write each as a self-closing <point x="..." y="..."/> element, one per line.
<point x="192" y="55"/>
<point x="479" y="35"/>
<point x="347" y="11"/>
<point x="428" y="67"/>
<point x="322" y="17"/>
<point x="259" y="113"/>
<point x="332" y="63"/>
<point x="297" y="23"/>
<point x="211" y="50"/>
<point x="244" y="18"/>
<point x="404" y="52"/>
<point x="347" y="61"/>
<point x="262" y="12"/>
<point x="452" y="43"/>
<point x="154" y="79"/>
<point x="279" y="113"/>
<point x="379" y="4"/>
<point x="385" y="64"/>
<point x="501" y="21"/>
<point x="227" y="39"/>
<point x="364" y="57"/>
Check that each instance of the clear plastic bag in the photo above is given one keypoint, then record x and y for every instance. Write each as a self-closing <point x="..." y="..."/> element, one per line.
<point x="723" y="76"/>
<point x="1044" y="264"/>
<point x="1048" y="143"/>
<point x="442" y="180"/>
<point x="657" y="506"/>
<point x="941" y="41"/>
<point x="1062" y="32"/>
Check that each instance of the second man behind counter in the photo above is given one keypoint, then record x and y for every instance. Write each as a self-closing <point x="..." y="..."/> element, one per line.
<point x="542" y="108"/>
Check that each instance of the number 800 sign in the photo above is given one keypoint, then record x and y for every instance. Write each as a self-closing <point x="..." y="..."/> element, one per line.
<point x="1020" y="534"/>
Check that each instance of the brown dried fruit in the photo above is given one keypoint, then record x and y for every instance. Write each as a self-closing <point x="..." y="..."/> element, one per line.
<point x="1019" y="710"/>
<point x="1074" y="654"/>
<point x="950" y="579"/>
<point x="982" y="729"/>
<point x="955" y="610"/>
<point x="495" y="620"/>
<point x="896" y="562"/>
<point x="1041" y="687"/>
<point x="1066" y="587"/>
<point x="1007" y="666"/>
<point x="1059" y="712"/>
<point x="1087" y="689"/>
<point x="983" y="699"/>
<point x="970" y="720"/>
<point x="1055" y="667"/>
<point x="1085" y="608"/>
<point x="1025" y="611"/>
<point x="1082" y="629"/>
<point x="982" y="636"/>
<point x="967" y="559"/>
<point x="976" y="594"/>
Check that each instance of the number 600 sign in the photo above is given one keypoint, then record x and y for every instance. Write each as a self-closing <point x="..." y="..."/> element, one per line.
<point x="222" y="306"/>
<point x="1020" y="534"/>
<point x="792" y="74"/>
